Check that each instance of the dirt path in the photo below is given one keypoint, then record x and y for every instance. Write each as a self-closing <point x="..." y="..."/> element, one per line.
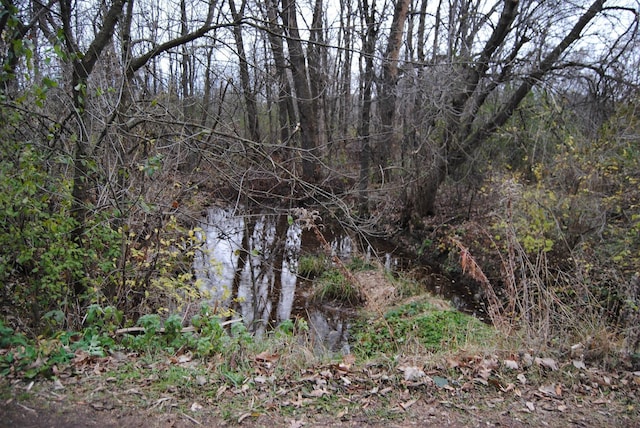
<point x="383" y="400"/>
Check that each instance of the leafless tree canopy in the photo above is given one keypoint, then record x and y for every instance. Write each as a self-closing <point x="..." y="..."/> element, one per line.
<point x="302" y="99"/>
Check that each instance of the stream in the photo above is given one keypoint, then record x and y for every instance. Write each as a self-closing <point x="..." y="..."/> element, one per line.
<point x="249" y="263"/>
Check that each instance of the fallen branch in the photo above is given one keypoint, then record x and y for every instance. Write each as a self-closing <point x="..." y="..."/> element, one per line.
<point x="190" y="329"/>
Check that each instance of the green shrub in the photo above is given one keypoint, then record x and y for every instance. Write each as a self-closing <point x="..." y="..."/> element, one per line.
<point x="415" y="323"/>
<point x="28" y="358"/>
<point x="41" y="265"/>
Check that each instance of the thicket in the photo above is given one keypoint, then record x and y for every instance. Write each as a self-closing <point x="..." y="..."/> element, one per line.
<point x="554" y="241"/>
<point x="138" y="260"/>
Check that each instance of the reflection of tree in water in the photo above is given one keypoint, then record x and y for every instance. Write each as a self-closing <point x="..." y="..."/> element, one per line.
<point x="288" y="275"/>
<point x="239" y="263"/>
<point x="330" y="330"/>
<point x="250" y="264"/>
<point x="256" y="284"/>
<point x="215" y="266"/>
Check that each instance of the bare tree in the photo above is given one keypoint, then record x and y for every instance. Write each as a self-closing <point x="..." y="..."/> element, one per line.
<point x="502" y="71"/>
<point x="308" y="115"/>
<point x="247" y="91"/>
<point x="369" y="38"/>
<point x="388" y="138"/>
<point x="286" y="110"/>
<point x="317" y="60"/>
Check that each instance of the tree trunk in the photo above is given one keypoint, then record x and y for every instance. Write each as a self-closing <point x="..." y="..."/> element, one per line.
<point x="388" y="138"/>
<point x="462" y="136"/>
<point x="308" y="117"/>
<point x="364" y="130"/>
<point x="286" y="110"/>
<point x="245" y="80"/>
<point x="345" y="99"/>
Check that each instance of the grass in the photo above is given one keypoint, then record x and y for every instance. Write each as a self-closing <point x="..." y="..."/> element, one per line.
<point x="227" y="377"/>
<point x="333" y="286"/>
<point x="360" y="264"/>
<point x="312" y="266"/>
<point x="420" y="327"/>
<point x="235" y="385"/>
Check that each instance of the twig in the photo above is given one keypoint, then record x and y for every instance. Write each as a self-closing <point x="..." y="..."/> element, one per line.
<point x="473" y="269"/>
<point x="26" y="408"/>
<point x="160" y="402"/>
<point x="190" y="418"/>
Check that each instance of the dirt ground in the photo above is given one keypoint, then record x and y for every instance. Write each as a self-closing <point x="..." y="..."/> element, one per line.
<point x="89" y="401"/>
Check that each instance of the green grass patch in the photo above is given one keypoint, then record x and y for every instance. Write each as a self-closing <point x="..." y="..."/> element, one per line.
<point x="416" y="324"/>
<point x="312" y="266"/>
<point x="333" y="286"/>
<point x="360" y="264"/>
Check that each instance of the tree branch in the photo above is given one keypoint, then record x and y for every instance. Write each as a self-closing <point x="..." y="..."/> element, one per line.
<point x="534" y="77"/>
<point x="140" y="61"/>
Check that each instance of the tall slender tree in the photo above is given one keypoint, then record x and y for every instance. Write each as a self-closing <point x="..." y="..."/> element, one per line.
<point x="308" y="115"/>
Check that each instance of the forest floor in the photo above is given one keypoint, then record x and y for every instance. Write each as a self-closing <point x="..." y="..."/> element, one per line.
<point x="359" y="397"/>
<point x="287" y="386"/>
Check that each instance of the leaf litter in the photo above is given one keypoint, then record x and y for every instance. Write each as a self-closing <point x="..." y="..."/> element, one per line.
<point x="465" y="387"/>
<point x="505" y="389"/>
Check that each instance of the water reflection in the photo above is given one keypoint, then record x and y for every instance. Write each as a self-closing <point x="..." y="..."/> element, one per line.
<point x="249" y="263"/>
<point x="288" y="275"/>
<point x="330" y="328"/>
<point x="257" y="277"/>
<point x="237" y="265"/>
<point x="216" y="265"/>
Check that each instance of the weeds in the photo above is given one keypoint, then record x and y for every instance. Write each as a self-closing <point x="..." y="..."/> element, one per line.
<point x="310" y="267"/>
<point x="417" y="324"/>
<point x="333" y="286"/>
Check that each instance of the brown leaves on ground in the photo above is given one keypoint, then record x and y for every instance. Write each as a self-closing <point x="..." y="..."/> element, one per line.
<point x="462" y="390"/>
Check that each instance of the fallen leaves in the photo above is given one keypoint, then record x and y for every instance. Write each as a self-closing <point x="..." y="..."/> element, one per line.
<point x="412" y="373"/>
<point x="407" y="404"/>
<point x="580" y="365"/>
<point x="295" y="423"/>
<point x="548" y="363"/>
<point x="511" y="364"/>
<point x="522" y="378"/>
<point x="267" y="357"/>
<point x="553" y="390"/>
<point x="343" y="389"/>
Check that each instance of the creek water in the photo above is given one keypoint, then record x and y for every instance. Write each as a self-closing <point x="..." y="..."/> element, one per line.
<point x="249" y="263"/>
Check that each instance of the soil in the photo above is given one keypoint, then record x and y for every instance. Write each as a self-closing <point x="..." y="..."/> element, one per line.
<point x="43" y="406"/>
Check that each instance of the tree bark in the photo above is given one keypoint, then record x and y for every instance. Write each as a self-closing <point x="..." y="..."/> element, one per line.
<point x="245" y="79"/>
<point x="316" y="58"/>
<point x="364" y="129"/>
<point x="388" y="139"/>
<point x="308" y="117"/>
<point x="286" y="110"/>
